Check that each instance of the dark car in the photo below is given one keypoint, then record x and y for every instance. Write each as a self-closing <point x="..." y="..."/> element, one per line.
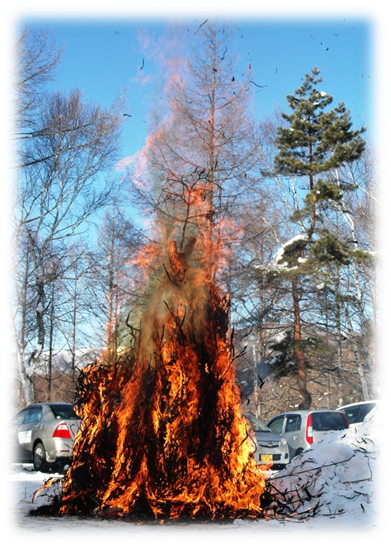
<point x="303" y="428"/>
<point x="270" y="447"/>
<point x="43" y="434"/>
<point x="357" y="412"/>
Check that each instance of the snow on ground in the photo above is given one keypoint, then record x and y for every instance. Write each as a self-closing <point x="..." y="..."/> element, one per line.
<point x="335" y="487"/>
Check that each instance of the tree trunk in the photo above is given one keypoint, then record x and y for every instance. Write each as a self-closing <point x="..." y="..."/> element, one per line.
<point x="50" y="359"/>
<point x="300" y="360"/>
<point x="39" y="274"/>
<point x="363" y="330"/>
<point x="25" y="379"/>
<point x="359" y="298"/>
<point x="74" y="326"/>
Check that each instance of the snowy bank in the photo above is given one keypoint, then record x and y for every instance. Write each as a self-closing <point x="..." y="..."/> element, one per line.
<point x="330" y="488"/>
<point x="335" y="477"/>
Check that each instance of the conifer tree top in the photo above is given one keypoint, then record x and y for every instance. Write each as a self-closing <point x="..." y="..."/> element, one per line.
<point x="316" y="140"/>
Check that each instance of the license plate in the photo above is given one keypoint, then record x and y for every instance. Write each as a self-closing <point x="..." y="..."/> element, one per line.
<point x="265" y="458"/>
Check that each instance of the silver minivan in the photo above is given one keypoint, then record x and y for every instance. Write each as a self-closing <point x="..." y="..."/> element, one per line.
<point x="303" y="428"/>
<point x="270" y="448"/>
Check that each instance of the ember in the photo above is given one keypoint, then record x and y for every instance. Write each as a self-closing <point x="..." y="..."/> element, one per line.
<point x="163" y="435"/>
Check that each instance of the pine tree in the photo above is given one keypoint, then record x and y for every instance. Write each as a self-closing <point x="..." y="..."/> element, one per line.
<point x="314" y="141"/>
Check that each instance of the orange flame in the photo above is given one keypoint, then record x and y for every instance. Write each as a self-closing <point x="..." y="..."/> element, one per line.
<point x="162" y="429"/>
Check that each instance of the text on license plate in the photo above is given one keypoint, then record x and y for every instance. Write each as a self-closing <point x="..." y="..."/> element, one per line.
<point x="265" y="458"/>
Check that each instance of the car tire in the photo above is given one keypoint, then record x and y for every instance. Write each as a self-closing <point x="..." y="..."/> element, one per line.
<point x="298" y="451"/>
<point x="39" y="458"/>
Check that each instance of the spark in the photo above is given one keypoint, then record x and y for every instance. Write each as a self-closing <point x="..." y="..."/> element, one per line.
<point x="225" y="51"/>
<point x="202" y="24"/>
<point x="261" y="86"/>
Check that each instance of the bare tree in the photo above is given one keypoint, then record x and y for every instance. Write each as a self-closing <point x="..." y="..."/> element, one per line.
<point x="109" y="273"/>
<point x="68" y="147"/>
<point x="356" y="285"/>
<point x="200" y="154"/>
<point x="37" y="58"/>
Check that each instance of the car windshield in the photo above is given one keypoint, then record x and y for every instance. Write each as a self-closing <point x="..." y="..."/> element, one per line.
<point x="63" y="411"/>
<point x="257" y="425"/>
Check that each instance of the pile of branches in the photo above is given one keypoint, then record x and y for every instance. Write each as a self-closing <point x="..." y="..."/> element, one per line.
<point x="162" y="432"/>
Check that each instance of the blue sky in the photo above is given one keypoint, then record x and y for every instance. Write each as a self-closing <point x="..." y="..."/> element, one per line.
<point x="115" y="48"/>
<point x="105" y="57"/>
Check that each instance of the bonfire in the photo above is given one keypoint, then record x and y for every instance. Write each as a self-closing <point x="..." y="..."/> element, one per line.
<point x="162" y="432"/>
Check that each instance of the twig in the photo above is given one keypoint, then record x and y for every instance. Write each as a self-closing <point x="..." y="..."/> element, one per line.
<point x="309" y="470"/>
<point x="169" y="277"/>
<point x="176" y="319"/>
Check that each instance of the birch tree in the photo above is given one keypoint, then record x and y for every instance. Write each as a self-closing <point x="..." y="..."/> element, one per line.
<point x="65" y="147"/>
<point x="37" y="59"/>
<point x="358" y="211"/>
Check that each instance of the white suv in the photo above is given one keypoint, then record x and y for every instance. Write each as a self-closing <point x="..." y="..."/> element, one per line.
<point x="305" y="427"/>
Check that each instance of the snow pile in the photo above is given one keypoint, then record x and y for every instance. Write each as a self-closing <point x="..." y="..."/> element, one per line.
<point x="335" y="477"/>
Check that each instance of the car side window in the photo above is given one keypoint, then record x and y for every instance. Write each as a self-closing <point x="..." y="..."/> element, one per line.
<point x="353" y="414"/>
<point x="19" y="419"/>
<point x="366" y="408"/>
<point x="276" y="425"/>
<point x="35" y="415"/>
<point x="293" y="423"/>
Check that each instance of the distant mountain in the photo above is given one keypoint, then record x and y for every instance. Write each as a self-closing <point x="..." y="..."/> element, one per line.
<point x="61" y="360"/>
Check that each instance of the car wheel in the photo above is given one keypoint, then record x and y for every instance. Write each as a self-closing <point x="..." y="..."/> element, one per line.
<point x="39" y="458"/>
<point x="298" y="451"/>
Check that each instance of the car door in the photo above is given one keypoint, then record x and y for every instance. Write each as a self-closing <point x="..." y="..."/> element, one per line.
<point x="20" y="454"/>
<point x="292" y="433"/>
<point x="27" y="429"/>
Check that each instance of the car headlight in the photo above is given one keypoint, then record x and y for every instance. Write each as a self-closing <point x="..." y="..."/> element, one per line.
<point x="283" y="442"/>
